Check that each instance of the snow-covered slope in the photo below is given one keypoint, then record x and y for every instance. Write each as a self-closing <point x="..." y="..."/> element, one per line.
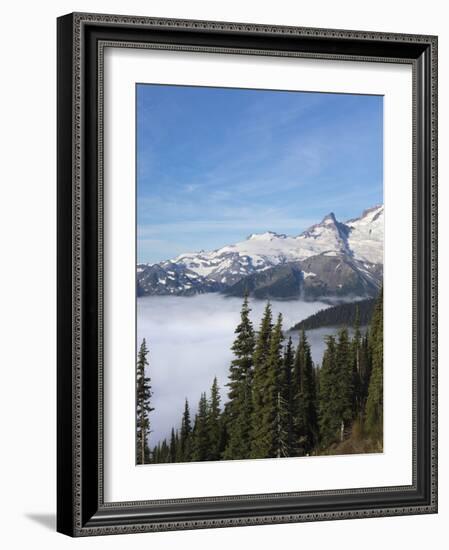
<point x="366" y="235"/>
<point x="360" y="239"/>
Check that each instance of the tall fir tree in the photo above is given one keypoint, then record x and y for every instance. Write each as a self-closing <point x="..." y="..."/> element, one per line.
<point x="173" y="445"/>
<point x="185" y="438"/>
<point x="200" y="439"/>
<point x="143" y="406"/>
<point x="317" y="383"/>
<point x="374" y="403"/>
<point x="336" y="390"/>
<point x="365" y="371"/>
<point x="328" y="422"/>
<point x="268" y="439"/>
<point x="224" y="435"/>
<point x="279" y="403"/>
<point x="214" y="427"/>
<point x="345" y="388"/>
<point x="357" y="365"/>
<point x="280" y="398"/>
<point x="304" y="402"/>
<point x="260" y="439"/>
<point x="156" y="454"/>
<point x="239" y="406"/>
<point x="287" y="394"/>
<point x="179" y="453"/>
<point x="164" y="452"/>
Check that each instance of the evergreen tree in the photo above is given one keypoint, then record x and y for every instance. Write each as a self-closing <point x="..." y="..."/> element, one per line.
<point x="374" y="404"/>
<point x="335" y="409"/>
<point x="261" y="443"/>
<point x="224" y="435"/>
<point x="173" y="445"/>
<point x="179" y="452"/>
<point x="185" y="447"/>
<point x="200" y="439"/>
<point x="317" y="380"/>
<point x="156" y="454"/>
<point x="287" y="394"/>
<point x="365" y="371"/>
<point x="357" y="360"/>
<point x="328" y="422"/>
<point x="344" y="382"/>
<point x="304" y="406"/>
<point x="279" y="380"/>
<point x="165" y="452"/>
<point x="239" y="406"/>
<point x="268" y="437"/>
<point x="214" y="427"/>
<point x="143" y="407"/>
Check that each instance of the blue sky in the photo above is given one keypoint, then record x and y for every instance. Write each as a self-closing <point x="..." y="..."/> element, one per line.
<point x="216" y="164"/>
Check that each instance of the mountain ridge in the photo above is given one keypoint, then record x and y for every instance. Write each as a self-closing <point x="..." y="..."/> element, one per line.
<point x="357" y="242"/>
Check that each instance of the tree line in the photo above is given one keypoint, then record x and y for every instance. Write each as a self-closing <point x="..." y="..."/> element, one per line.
<point x="340" y="315"/>
<point x="279" y="403"/>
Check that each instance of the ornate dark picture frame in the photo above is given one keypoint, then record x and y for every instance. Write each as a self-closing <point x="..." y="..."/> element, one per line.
<point x="81" y="509"/>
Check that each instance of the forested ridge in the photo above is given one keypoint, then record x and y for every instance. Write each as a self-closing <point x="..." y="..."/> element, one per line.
<point x="339" y="315"/>
<point x="279" y="403"/>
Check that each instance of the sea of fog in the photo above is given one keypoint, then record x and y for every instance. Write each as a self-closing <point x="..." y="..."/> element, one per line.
<point x="189" y="339"/>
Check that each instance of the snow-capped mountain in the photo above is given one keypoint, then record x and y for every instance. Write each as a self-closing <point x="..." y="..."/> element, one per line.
<point x="170" y="278"/>
<point x="358" y="240"/>
<point x="366" y="235"/>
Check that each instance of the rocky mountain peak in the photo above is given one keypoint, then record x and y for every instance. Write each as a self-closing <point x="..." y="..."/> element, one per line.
<point x="360" y="240"/>
<point x="329" y="219"/>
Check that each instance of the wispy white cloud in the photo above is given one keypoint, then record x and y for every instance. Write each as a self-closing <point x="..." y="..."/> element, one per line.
<point x="229" y="164"/>
<point x="210" y="328"/>
<point x="200" y="226"/>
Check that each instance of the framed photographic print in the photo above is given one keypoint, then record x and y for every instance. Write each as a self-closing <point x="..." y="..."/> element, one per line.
<point x="247" y="288"/>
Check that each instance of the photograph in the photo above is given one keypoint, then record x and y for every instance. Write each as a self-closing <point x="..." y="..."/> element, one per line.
<point x="259" y="274"/>
<point x="247" y="274"/>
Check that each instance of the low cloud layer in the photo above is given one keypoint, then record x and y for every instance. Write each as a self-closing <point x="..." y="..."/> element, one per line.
<point x="189" y="341"/>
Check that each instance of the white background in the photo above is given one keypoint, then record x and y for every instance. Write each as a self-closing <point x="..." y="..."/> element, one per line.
<point x="27" y="301"/>
<point x="123" y="481"/>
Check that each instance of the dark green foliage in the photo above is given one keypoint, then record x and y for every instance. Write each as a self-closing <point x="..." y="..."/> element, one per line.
<point x="344" y="380"/>
<point x="279" y="404"/>
<point x="328" y="422"/>
<point x="287" y="395"/>
<point x="305" y="428"/>
<point x="155" y="454"/>
<point x="214" y="427"/>
<point x="340" y="315"/>
<point x="161" y="453"/>
<point x="224" y="434"/>
<point x="361" y="372"/>
<point x="261" y="443"/>
<point x="344" y="387"/>
<point x="200" y="436"/>
<point x="165" y="452"/>
<point x="365" y="370"/>
<point x="143" y="407"/>
<point x="185" y="439"/>
<point x="179" y="450"/>
<point x="277" y="407"/>
<point x="374" y="404"/>
<point x="357" y="384"/>
<point x="336" y="390"/>
<point x="262" y="347"/>
<point x="239" y="406"/>
<point x="173" y="445"/>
